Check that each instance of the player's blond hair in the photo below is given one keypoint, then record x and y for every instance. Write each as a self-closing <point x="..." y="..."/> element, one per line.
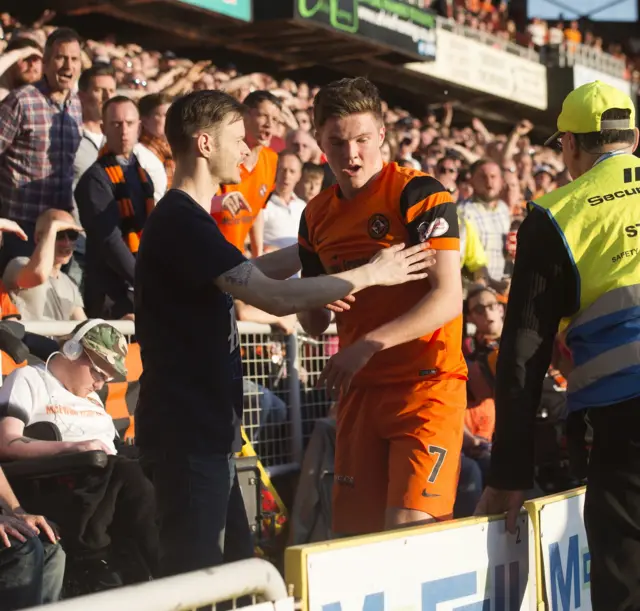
<point x="348" y="96"/>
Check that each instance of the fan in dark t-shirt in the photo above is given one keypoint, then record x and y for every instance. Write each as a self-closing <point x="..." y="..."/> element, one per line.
<point x="191" y="395"/>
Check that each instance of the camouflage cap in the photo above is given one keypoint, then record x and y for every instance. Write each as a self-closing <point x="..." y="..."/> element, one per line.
<point x="107" y="348"/>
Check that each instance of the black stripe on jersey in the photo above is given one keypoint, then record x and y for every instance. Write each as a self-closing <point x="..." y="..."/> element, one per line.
<point x="303" y="229"/>
<point x="418" y="189"/>
<point x="311" y="263"/>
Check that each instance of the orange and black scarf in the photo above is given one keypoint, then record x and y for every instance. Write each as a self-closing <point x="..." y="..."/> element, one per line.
<point x="130" y="225"/>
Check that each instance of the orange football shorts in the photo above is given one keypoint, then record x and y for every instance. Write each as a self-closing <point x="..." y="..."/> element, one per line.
<point x="397" y="446"/>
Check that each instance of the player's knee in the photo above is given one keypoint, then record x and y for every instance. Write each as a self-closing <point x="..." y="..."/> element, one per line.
<point x="399" y="517"/>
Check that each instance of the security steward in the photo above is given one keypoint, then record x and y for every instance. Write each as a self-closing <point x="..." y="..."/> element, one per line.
<point x="578" y="272"/>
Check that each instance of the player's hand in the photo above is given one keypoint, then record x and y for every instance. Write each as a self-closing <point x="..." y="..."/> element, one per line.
<point x="397" y="264"/>
<point x="12" y="227"/>
<point x="37" y="524"/>
<point x="495" y="501"/>
<point x="234" y="203"/>
<point x="341" y="305"/>
<point x="343" y="366"/>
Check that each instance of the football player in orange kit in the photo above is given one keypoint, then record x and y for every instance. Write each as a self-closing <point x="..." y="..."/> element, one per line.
<point x="258" y="173"/>
<point x="400" y="374"/>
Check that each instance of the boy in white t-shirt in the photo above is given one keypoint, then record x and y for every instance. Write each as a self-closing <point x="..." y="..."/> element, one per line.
<point x="64" y="392"/>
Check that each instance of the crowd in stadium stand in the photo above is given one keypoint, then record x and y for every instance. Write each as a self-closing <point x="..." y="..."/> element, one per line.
<point x="66" y="255"/>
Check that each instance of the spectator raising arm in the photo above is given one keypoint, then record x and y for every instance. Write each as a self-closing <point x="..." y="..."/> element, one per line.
<point x="40" y="266"/>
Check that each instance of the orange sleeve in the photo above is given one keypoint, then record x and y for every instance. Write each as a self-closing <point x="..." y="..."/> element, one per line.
<point x="429" y="213"/>
<point x="9" y="309"/>
<point x="271" y="169"/>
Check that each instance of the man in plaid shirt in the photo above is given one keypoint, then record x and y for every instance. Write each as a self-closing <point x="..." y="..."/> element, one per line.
<point x="39" y="135"/>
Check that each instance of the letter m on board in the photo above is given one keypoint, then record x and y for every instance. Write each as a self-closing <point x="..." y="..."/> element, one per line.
<point x="561" y="581"/>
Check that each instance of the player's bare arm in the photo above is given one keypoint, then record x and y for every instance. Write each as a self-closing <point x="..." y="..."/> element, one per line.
<point x="440" y="305"/>
<point x="316" y="321"/>
<point x="390" y="266"/>
<point x="279" y="264"/>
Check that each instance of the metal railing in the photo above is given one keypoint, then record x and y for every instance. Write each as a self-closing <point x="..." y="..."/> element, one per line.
<point x="488" y="39"/>
<point x="254" y="578"/>
<point x="570" y="54"/>
<point x="281" y="401"/>
<point x="565" y="55"/>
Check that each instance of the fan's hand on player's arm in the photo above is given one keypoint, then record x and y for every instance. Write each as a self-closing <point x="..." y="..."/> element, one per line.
<point x="343" y="366"/>
<point x="233" y="203"/>
<point x="342" y="305"/>
<point x="494" y="501"/>
<point x="397" y="264"/>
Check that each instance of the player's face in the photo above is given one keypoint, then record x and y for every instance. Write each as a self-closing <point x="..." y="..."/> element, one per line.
<point x="229" y="153"/>
<point x="352" y="146"/>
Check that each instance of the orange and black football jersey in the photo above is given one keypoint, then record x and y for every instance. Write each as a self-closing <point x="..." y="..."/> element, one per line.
<point x="401" y="205"/>
<point x="256" y="186"/>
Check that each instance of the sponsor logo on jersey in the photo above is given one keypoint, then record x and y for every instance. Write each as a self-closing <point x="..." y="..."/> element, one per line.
<point x="432" y="230"/>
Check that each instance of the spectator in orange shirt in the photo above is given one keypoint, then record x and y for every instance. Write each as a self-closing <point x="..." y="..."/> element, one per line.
<point x="258" y="174"/>
<point x="573" y="36"/>
<point x="7" y="307"/>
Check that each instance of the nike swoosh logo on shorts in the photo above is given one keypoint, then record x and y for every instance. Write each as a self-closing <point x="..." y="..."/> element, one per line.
<point x="429" y="495"/>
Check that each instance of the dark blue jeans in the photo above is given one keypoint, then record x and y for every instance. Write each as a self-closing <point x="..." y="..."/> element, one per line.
<point x="201" y="512"/>
<point x="31" y="573"/>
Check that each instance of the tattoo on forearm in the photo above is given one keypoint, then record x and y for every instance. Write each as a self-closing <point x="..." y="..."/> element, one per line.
<point x="240" y="275"/>
<point x="22" y="439"/>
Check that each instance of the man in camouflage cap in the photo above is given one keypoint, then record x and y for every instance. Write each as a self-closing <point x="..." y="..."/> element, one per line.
<point x="107" y="349"/>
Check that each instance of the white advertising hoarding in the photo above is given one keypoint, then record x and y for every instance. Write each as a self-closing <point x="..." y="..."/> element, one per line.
<point x="583" y="75"/>
<point x="478" y="66"/>
<point x="565" y="555"/>
<point x="474" y="566"/>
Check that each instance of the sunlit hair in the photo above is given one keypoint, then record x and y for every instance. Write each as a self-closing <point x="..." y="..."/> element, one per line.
<point x="348" y="96"/>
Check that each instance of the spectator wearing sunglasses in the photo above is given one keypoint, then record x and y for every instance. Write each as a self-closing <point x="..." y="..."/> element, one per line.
<point x="37" y="284"/>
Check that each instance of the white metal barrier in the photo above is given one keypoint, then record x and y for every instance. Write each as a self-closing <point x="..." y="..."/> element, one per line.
<point x="256" y="578"/>
<point x="471" y="565"/>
